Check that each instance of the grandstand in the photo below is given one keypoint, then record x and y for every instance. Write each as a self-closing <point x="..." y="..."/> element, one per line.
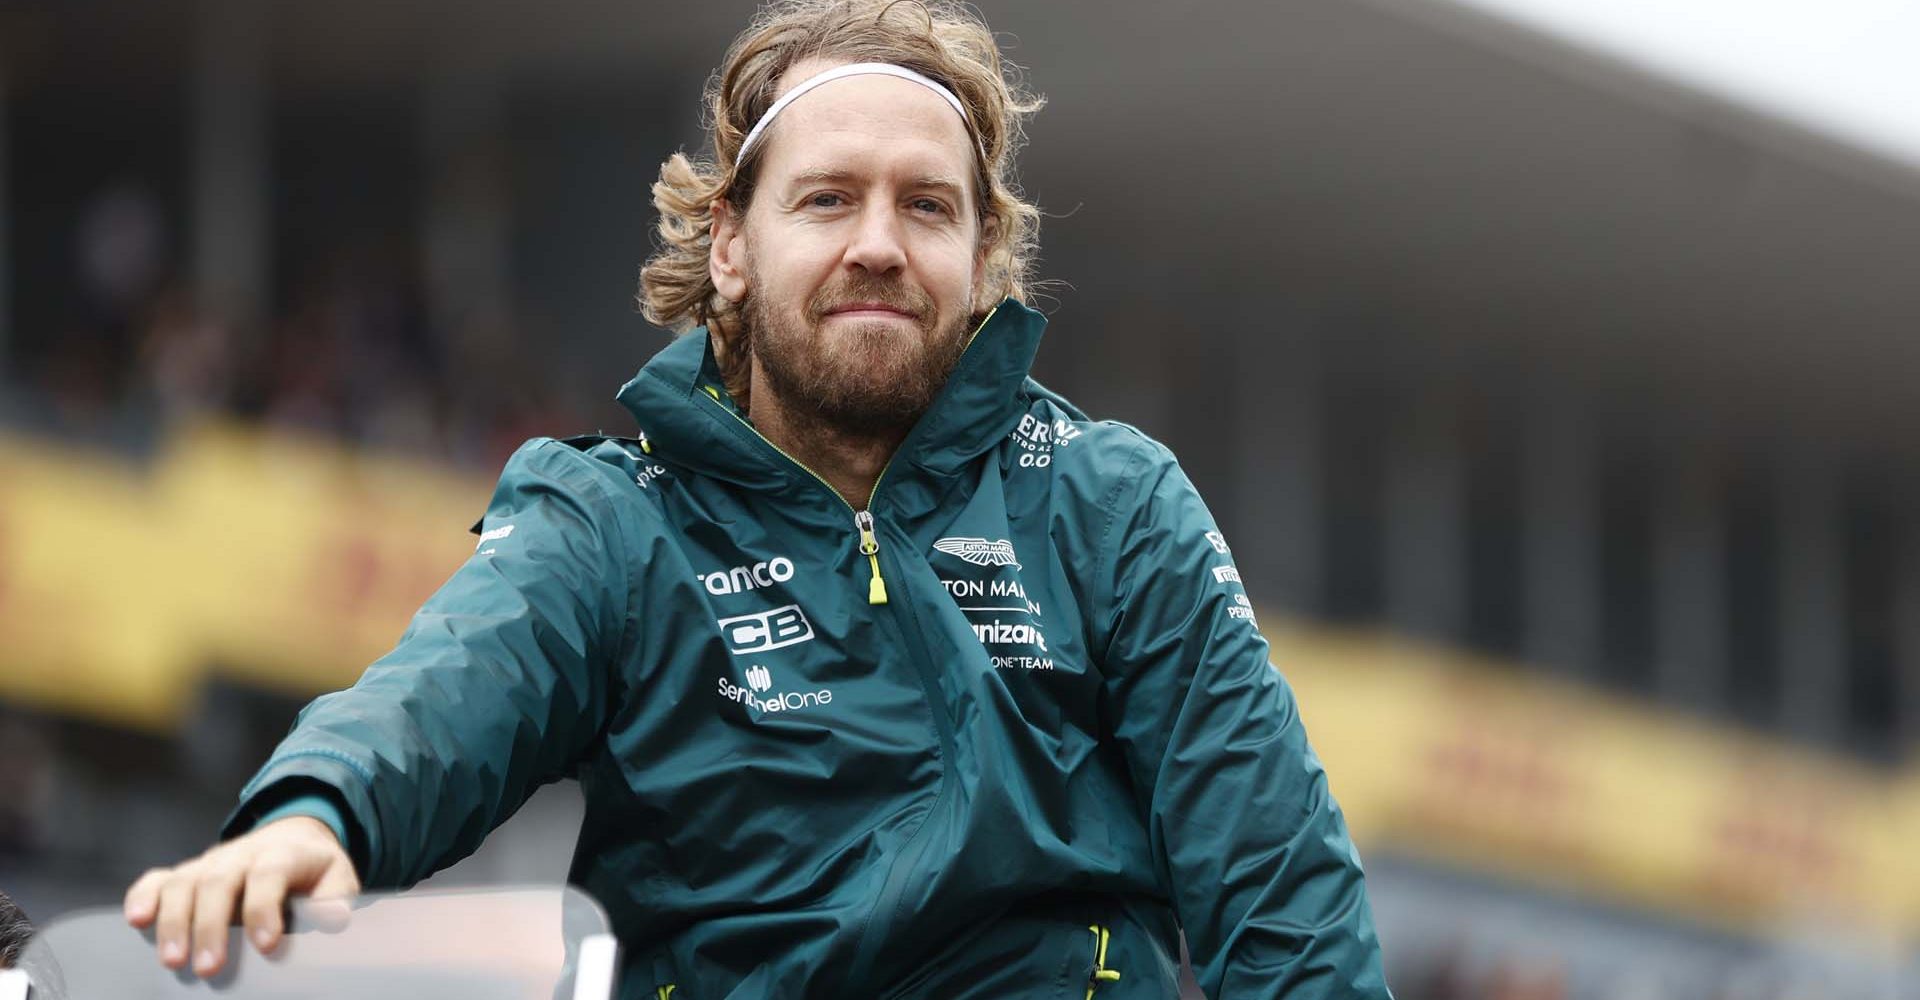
<point x="1560" y="411"/>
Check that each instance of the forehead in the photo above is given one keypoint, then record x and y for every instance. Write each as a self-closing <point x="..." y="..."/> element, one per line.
<point x="865" y="123"/>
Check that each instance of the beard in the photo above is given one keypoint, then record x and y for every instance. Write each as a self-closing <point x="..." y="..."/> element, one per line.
<point x="863" y="378"/>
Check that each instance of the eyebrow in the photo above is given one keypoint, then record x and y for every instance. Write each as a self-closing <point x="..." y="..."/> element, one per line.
<point x="943" y="183"/>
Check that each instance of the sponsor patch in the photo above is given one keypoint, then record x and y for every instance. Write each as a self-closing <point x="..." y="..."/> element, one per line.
<point x="980" y="551"/>
<point x="764" y="630"/>
<point x="741" y="579"/>
<point x="758" y="694"/>
<point x="1037" y="439"/>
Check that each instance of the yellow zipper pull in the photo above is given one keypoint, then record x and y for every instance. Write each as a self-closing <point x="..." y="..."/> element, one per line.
<point x="870" y="547"/>
<point x="1101" y="974"/>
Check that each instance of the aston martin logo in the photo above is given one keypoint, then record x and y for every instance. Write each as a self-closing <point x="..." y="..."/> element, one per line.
<point x="980" y="551"/>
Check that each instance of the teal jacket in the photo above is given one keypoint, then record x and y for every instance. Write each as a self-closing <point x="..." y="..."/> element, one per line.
<point x="1001" y="734"/>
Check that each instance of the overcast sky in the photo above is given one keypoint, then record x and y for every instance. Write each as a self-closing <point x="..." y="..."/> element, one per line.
<point x="1850" y="68"/>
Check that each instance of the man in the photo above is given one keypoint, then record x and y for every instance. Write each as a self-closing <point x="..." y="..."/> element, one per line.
<point x="885" y="671"/>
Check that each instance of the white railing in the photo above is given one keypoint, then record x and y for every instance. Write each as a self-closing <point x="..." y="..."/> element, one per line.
<point x="494" y="944"/>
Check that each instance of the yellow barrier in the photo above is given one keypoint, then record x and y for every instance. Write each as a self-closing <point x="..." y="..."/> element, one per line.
<point x="1438" y="754"/>
<point x="289" y="564"/>
<point x="87" y="616"/>
<point x="282" y="561"/>
<point x="315" y="557"/>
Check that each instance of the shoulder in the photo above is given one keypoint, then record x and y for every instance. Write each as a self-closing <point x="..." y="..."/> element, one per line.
<point x="596" y="461"/>
<point x="607" y="476"/>
<point x="1081" y="452"/>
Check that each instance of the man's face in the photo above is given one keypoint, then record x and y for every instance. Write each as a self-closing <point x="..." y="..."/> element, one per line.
<point x="858" y="256"/>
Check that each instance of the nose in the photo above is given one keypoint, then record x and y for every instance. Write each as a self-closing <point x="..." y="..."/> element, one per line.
<point x="877" y="243"/>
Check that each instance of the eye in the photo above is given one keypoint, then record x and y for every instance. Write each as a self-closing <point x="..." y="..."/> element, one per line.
<point x="929" y="205"/>
<point x="825" y="199"/>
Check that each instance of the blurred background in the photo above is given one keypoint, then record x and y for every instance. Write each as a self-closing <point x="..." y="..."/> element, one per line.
<point x="1550" y="365"/>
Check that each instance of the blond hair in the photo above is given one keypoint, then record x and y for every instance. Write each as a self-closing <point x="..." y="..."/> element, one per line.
<point x="940" y="39"/>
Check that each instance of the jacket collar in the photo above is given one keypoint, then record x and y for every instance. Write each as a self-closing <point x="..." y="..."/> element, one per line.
<point x="688" y="419"/>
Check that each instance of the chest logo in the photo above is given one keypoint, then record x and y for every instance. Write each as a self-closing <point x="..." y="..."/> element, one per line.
<point x="758" y="694"/>
<point x="741" y="579"/>
<point x="764" y="630"/>
<point x="980" y="551"/>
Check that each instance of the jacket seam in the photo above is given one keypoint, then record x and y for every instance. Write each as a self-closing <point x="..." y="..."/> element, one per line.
<point x="627" y="617"/>
<point x="359" y="770"/>
<point x="1108" y="561"/>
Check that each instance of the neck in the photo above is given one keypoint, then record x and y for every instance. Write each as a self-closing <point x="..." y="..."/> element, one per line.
<point x="850" y="463"/>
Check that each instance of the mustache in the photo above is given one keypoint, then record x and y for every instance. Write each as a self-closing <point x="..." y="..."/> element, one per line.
<point x="894" y="294"/>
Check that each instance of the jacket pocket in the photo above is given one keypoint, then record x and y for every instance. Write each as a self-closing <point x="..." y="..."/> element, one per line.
<point x="1051" y="951"/>
<point x="1012" y="958"/>
<point x="1143" y="946"/>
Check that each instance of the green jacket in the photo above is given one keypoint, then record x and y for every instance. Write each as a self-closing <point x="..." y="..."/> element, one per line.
<point x="1001" y="739"/>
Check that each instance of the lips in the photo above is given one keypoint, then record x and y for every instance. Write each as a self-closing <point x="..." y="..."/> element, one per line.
<point x="861" y="295"/>
<point x="869" y="309"/>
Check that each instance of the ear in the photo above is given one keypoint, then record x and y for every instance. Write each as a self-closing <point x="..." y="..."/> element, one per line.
<point x="727" y="256"/>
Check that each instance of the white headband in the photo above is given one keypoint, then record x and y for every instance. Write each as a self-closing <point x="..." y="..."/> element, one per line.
<point x="854" y="69"/>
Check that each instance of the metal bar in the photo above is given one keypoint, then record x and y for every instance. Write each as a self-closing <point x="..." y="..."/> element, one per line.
<point x="231" y="229"/>
<point x="1426" y="517"/>
<point x="1280" y="474"/>
<point x="1813" y="637"/>
<point x="1689" y="569"/>
<point x="1562" y="592"/>
<point x="6" y="231"/>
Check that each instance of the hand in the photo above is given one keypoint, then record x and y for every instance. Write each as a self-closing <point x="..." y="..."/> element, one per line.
<point x="192" y="904"/>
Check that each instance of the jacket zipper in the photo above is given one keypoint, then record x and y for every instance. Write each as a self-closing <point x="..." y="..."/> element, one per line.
<point x="862" y="519"/>
<point x="908" y="862"/>
<point x="869" y="546"/>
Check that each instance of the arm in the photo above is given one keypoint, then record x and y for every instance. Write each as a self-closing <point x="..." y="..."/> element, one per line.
<point x="1264" y="877"/>
<point x="499" y="685"/>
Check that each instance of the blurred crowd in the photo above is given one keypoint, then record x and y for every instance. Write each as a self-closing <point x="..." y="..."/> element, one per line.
<point x="1526" y="976"/>
<point x="349" y="352"/>
<point x="1513" y="971"/>
<point x="1445" y="976"/>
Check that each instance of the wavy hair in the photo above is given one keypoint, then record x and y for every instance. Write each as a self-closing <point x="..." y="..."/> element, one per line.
<point x="941" y="39"/>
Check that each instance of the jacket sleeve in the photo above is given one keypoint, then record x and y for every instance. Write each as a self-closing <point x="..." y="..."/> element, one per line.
<point x="498" y="685"/>
<point x="1253" y="848"/>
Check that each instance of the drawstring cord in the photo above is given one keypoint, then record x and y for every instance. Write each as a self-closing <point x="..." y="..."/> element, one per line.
<point x="1101" y="974"/>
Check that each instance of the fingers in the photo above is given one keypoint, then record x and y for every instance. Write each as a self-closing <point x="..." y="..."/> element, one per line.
<point x="143" y="896"/>
<point x="192" y="907"/>
<point x="328" y="916"/>
<point x="173" y="918"/>
<point x="331" y="910"/>
<point x="213" y="903"/>
<point x="262" y="907"/>
<point x="338" y="881"/>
